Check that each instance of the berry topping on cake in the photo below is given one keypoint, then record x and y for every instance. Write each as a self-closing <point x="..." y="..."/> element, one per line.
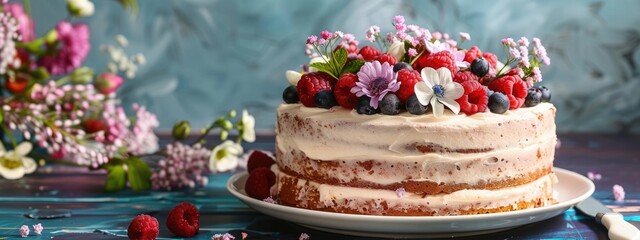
<point x="480" y="67"/>
<point x="439" y="60"/>
<point x="473" y="53"/>
<point x="401" y="65"/>
<point x="474" y="99"/>
<point x="184" y="220"/>
<point x="464" y="76"/>
<point x="258" y="159"/>
<point x="546" y="93"/>
<point x="143" y="227"/>
<point x="363" y="106"/>
<point x="534" y="97"/>
<point x="491" y="58"/>
<point x="259" y="183"/>
<point x="369" y="53"/>
<point x="498" y="103"/>
<point x="310" y="84"/>
<point x="513" y="87"/>
<point x="390" y="104"/>
<point x="421" y="61"/>
<point x="387" y="58"/>
<point x="290" y="95"/>
<point x="325" y="99"/>
<point x="342" y="91"/>
<point x="414" y="106"/>
<point x="408" y="79"/>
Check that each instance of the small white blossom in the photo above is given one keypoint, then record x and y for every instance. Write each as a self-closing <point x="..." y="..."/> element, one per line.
<point x="438" y="89"/>
<point x="80" y="8"/>
<point x="15" y="164"/>
<point x="225" y="156"/>
<point x="248" y="124"/>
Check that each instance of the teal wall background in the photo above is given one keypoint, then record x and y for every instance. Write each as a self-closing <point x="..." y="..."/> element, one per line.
<point x="208" y="56"/>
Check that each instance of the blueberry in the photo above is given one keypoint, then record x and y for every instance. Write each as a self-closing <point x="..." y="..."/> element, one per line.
<point x="390" y="104"/>
<point x="363" y="106"/>
<point x="546" y="93"/>
<point x="534" y="97"/>
<point x="480" y="67"/>
<point x="401" y="65"/>
<point x="499" y="103"/>
<point x="415" y="107"/>
<point x="325" y="99"/>
<point x="290" y="95"/>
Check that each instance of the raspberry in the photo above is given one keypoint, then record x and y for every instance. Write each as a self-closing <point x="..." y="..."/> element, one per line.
<point x="408" y="79"/>
<point x="473" y="53"/>
<point x="259" y="183"/>
<point x="143" y="227"/>
<point x="493" y="60"/>
<point x="184" y="220"/>
<point x="94" y="125"/>
<point x="387" y="58"/>
<point x="419" y="64"/>
<point x="474" y="98"/>
<point x="461" y="77"/>
<point x="369" y="53"/>
<point x="259" y="159"/>
<point x="342" y="91"/>
<point x="439" y="60"/>
<point x="310" y="84"/>
<point x="513" y="87"/>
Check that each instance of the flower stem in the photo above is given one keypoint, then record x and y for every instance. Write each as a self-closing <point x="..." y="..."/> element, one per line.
<point x="27" y="7"/>
<point x="11" y="137"/>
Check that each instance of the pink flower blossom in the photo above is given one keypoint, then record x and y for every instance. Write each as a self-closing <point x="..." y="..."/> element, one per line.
<point x="594" y="175"/>
<point x="244" y="235"/>
<point x="412" y="52"/>
<point x="465" y="36"/>
<point x="269" y="200"/>
<point x="537" y="75"/>
<point x="618" y="193"/>
<point x="304" y="236"/>
<point x="38" y="228"/>
<point x="74" y="48"/>
<point x="183" y="166"/>
<point x="398" y="19"/>
<point x="436" y="35"/>
<point x="541" y="51"/>
<point x="107" y="83"/>
<point x="445" y="36"/>
<point x="312" y="39"/>
<point x="24" y="231"/>
<point x="9" y="34"/>
<point x="523" y="42"/>
<point x="524" y="56"/>
<point x="26" y="27"/>
<point x="225" y="236"/>
<point x="372" y="32"/>
<point x="326" y="35"/>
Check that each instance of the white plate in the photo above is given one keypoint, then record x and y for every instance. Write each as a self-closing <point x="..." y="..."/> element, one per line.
<point x="572" y="188"/>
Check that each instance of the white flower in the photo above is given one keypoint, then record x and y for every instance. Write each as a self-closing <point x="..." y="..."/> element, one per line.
<point x="15" y="164"/>
<point x="248" y="124"/>
<point x="437" y="89"/>
<point x="293" y="77"/>
<point x="224" y="157"/>
<point x="397" y="50"/>
<point x="80" y="8"/>
<point x="122" y="40"/>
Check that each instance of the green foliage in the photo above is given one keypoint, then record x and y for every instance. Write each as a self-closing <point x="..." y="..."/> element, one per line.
<point x="116" y="179"/>
<point x="337" y="65"/>
<point x="138" y="174"/>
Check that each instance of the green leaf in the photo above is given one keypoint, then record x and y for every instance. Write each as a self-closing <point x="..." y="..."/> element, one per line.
<point x="139" y="174"/>
<point x="339" y="58"/>
<point x="116" y="180"/>
<point x="353" y="66"/>
<point x="326" y="68"/>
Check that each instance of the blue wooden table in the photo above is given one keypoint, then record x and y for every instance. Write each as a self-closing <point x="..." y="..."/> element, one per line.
<point x="81" y="210"/>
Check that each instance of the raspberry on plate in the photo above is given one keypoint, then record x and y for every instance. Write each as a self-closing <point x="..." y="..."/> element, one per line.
<point x="342" y="91"/>
<point x="143" y="227"/>
<point x="387" y="58"/>
<point x="258" y="159"/>
<point x="464" y="76"/>
<point x="439" y="60"/>
<point x="184" y="220"/>
<point x="259" y="183"/>
<point x="369" y="53"/>
<point x="408" y="79"/>
<point x="474" y="99"/>
<point x="310" y="84"/>
<point x="513" y="87"/>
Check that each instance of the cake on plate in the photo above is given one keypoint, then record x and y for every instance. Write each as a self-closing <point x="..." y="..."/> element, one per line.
<point x="417" y="126"/>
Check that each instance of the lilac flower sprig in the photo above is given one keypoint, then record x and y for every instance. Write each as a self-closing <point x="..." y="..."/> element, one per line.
<point x="528" y="60"/>
<point x="332" y="50"/>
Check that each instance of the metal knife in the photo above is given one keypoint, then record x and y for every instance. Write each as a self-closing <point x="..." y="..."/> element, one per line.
<point x="619" y="229"/>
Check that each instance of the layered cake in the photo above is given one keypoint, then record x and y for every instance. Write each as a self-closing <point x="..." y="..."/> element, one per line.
<point x="417" y="126"/>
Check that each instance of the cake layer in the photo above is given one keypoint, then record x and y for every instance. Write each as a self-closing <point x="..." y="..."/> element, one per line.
<point x="296" y="192"/>
<point x="331" y="147"/>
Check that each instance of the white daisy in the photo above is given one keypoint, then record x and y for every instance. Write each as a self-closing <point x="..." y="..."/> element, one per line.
<point x="14" y="164"/>
<point x="225" y="156"/>
<point x="437" y="88"/>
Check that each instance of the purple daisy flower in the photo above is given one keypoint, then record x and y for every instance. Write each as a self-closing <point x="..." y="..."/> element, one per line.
<point x="375" y="80"/>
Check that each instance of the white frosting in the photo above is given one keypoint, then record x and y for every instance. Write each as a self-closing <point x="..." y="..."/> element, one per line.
<point x="513" y="144"/>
